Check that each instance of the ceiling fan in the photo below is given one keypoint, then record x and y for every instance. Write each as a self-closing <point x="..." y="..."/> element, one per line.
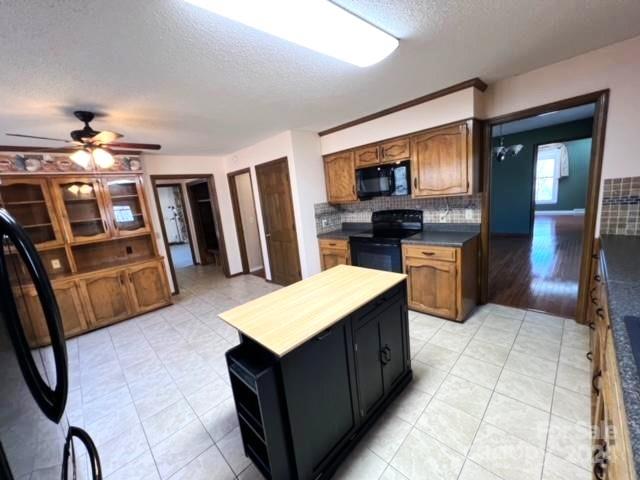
<point x="89" y="143"/>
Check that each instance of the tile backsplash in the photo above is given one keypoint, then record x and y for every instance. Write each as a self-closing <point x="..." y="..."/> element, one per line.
<point x="435" y="210"/>
<point x="621" y="206"/>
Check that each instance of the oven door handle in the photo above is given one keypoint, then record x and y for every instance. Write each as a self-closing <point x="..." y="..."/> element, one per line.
<point x="52" y="402"/>
<point x="384" y="245"/>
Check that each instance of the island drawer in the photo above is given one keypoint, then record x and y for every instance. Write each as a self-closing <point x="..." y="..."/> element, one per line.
<point x="364" y="313"/>
<point x="447" y="254"/>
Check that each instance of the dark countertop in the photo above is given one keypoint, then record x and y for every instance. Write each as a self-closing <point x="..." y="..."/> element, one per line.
<point x="445" y="239"/>
<point x="622" y="275"/>
<point x="347" y="229"/>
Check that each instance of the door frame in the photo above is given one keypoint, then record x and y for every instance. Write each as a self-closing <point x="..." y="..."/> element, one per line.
<point x="186" y="217"/>
<point x="258" y="168"/>
<point x="235" y="204"/>
<point x="601" y="100"/>
<point x="216" y="216"/>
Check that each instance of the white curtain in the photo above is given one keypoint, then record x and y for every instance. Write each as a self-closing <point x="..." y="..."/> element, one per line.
<point x="560" y="153"/>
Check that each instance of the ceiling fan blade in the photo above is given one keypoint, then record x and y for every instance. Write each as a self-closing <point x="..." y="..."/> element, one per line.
<point x="16" y="148"/>
<point x="39" y="138"/>
<point x="105" y="137"/>
<point x="141" y="146"/>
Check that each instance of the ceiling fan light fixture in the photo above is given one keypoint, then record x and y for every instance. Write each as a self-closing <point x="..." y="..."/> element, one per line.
<point x="103" y="158"/>
<point x="319" y="25"/>
<point x="81" y="157"/>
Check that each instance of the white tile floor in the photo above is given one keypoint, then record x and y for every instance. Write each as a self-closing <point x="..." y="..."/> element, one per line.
<point x="502" y="396"/>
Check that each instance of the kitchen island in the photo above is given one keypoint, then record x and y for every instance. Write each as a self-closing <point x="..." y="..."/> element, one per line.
<point x="318" y="362"/>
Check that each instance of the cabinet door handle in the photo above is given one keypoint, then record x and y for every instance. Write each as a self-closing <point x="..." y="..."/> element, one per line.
<point x="385" y="355"/>
<point x="597" y="278"/>
<point x="594" y="381"/>
<point x="590" y="356"/>
<point x="353" y="189"/>
<point x="600" y="313"/>
<point x="600" y="462"/>
<point x="415" y="182"/>
<point x="592" y="325"/>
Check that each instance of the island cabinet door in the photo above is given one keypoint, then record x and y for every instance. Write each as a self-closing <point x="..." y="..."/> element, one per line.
<point x="318" y="384"/>
<point x="369" y="373"/>
<point x="393" y="346"/>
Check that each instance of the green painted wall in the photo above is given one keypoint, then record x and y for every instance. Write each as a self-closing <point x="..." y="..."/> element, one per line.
<point x="512" y="180"/>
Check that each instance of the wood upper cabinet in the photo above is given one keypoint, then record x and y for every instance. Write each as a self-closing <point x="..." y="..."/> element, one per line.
<point x="81" y="205"/>
<point x="367" y="156"/>
<point x="396" y="150"/>
<point x="432" y="286"/>
<point x="29" y="201"/>
<point x="334" y="252"/>
<point x="34" y="323"/>
<point x="148" y="287"/>
<point x="443" y="161"/>
<point x="340" y="177"/>
<point x="124" y="198"/>
<point x="106" y="297"/>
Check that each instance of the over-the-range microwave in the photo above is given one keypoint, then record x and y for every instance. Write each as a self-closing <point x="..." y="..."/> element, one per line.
<point x="384" y="180"/>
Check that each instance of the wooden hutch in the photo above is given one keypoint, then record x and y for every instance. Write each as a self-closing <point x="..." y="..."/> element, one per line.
<point x="93" y="232"/>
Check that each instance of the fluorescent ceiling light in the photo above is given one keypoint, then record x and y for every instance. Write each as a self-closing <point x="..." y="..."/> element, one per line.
<point x="316" y="24"/>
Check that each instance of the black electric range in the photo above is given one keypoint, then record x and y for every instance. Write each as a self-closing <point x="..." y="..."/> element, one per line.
<point x="381" y="247"/>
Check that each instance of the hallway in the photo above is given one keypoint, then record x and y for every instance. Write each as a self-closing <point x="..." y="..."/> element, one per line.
<point x="539" y="273"/>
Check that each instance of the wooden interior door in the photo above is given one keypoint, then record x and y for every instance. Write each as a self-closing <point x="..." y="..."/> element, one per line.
<point x="204" y="221"/>
<point x="441" y="161"/>
<point x="106" y="298"/>
<point x="148" y="286"/>
<point x="279" y="221"/>
<point x="432" y="286"/>
<point x="340" y="177"/>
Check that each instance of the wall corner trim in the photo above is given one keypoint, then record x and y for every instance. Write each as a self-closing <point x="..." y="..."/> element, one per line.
<point x="474" y="82"/>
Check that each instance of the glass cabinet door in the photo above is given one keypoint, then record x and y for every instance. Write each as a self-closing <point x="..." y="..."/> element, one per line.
<point x="126" y="205"/>
<point x="29" y="202"/>
<point x="83" y="208"/>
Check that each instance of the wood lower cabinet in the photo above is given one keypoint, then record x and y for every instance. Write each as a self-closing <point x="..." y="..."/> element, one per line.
<point x="147" y="286"/>
<point x="445" y="161"/>
<point x="340" y="177"/>
<point x="334" y="252"/>
<point x="106" y="298"/>
<point x="442" y="281"/>
<point x="69" y="301"/>
<point x="612" y="454"/>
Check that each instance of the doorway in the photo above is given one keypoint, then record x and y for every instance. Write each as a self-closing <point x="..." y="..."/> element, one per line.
<point x="176" y="224"/>
<point x="245" y="216"/>
<point x="274" y="188"/>
<point x="542" y="178"/>
<point x="191" y="229"/>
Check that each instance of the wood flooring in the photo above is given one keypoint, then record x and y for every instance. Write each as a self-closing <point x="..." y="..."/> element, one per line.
<point x="542" y="272"/>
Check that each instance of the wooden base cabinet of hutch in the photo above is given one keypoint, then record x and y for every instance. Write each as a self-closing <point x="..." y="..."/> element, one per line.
<point x="93" y="234"/>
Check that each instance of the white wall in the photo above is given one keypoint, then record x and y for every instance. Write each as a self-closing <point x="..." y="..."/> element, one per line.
<point x="447" y="109"/>
<point x="616" y="67"/>
<point x="249" y="219"/>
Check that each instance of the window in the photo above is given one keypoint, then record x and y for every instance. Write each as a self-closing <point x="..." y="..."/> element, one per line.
<point x="547" y="170"/>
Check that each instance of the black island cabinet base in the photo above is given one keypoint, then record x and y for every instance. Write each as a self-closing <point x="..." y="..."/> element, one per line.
<point x="301" y="414"/>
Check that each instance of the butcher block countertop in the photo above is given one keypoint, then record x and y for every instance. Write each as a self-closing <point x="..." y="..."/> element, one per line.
<point x="287" y="318"/>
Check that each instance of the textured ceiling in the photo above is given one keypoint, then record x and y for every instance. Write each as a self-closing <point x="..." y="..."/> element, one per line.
<point x="167" y="72"/>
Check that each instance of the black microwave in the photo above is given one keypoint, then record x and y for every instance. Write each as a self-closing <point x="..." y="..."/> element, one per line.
<point x="384" y="180"/>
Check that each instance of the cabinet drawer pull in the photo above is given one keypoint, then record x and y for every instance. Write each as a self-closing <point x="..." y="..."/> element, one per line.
<point x="429" y="254"/>
<point x="332" y="244"/>
<point x="324" y="334"/>
<point x="594" y="380"/>
<point x="589" y="356"/>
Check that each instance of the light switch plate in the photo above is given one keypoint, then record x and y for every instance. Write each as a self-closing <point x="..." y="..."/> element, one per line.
<point x="55" y="264"/>
<point x="325" y="222"/>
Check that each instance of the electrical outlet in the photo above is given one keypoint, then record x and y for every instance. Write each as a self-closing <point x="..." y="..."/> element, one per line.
<point x="325" y="222"/>
<point x="468" y="214"/>
<point x="55" y="264"/>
